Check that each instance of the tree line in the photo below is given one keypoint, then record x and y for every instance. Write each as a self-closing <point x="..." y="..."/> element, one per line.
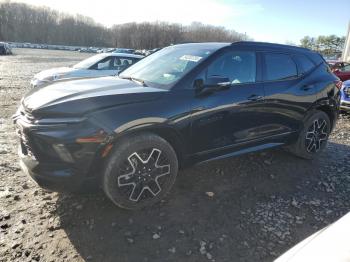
<point x="24" y="23"/>
<point x="158" y="34"/>
<point x="330" y="45"/>
<point x="21" y="22"/>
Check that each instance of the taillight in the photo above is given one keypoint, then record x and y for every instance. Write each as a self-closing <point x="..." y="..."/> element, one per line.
<point x="338" y="84"/>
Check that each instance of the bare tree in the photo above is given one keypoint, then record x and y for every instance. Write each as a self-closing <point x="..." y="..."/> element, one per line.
<point x="24" y="23"/>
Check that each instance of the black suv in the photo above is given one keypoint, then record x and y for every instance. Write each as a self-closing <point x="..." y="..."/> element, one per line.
<point x="185" y="104"/>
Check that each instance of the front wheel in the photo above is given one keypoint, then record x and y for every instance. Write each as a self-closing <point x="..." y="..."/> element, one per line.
<point x="313" y="138"/>
<point x="140" y="172"/>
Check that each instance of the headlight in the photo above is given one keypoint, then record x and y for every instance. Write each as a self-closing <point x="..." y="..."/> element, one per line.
<point x="46" y="79"/>
<point x="52" y="77"/>
<point x="53" y="121"/>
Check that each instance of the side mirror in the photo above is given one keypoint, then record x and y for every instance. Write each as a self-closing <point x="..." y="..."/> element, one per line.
<point x="212" y="84"/>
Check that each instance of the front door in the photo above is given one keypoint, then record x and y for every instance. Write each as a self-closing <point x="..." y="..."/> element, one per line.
<point x="225" y="118"/>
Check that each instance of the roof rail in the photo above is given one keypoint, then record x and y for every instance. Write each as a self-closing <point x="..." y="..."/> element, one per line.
<point x="265" y="44"/>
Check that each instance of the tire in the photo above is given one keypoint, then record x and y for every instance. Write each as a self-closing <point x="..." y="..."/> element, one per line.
<point x="140" y="171"/>
<point x="313" y="138"/>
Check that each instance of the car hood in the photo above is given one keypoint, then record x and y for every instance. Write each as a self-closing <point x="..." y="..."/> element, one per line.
<point x="56" y="72"/>
<point x="80" y="96"/>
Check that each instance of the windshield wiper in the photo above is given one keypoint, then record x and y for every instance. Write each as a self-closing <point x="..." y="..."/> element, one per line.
<point x="142" y="82"/>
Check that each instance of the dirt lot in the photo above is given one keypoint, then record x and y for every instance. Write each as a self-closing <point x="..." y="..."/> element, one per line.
<point x="261" y="204"/>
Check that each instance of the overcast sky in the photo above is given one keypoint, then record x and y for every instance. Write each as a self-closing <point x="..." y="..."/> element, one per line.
<point x="264" y="20"/>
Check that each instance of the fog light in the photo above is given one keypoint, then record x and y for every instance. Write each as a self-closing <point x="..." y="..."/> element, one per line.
<point x="63" y="153"/>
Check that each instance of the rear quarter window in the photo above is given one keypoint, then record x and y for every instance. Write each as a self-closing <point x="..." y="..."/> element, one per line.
<point x="279" y="67"/>
<point x="316" y="57"/>
<point x="304" y="64"/>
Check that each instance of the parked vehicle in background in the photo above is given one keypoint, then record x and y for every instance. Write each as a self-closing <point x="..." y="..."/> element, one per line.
<point x="148" y="52"/>
<point x="124" y="50"/>
<point x="88" y="50"/>
<point x="109" y="50"/>
<point x="331" y="63"/>
<point x="185" y="104"/>
<point x="345" y="96"/>
<point x="154" y="50"/>
<point x="5" y="49"/>
<point x="342" y="70"/>
<point x="107" y="64"/>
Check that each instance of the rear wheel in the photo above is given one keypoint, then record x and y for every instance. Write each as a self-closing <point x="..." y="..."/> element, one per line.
<point x="314" y="136"/>
<point x="140" y="171"/>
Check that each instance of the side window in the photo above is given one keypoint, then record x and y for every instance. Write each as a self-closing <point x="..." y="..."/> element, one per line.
<point x="121" y="63"/>
<point x="305" y="65"/>
<point x="104" y="64"/>
<point x="279" y="67"/>
<point x="238" y="66"/>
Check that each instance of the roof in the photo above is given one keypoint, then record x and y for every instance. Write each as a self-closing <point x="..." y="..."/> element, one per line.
<point x="205" y="44"/>
<point x="269" y="45"/>
<point x="261" y="45"/>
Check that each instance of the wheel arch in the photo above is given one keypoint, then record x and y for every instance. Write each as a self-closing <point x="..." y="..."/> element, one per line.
<point x="166" y="132"/>
<point x="328" y="106"/>
<point x="328" y="110"/>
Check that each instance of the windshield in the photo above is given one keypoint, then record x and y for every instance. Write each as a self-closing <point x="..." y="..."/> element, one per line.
<point x="164" y="68"/>
<point x="87" y="63"/>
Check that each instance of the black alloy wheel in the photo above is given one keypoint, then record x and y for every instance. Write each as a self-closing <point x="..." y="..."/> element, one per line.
<point x="140" y="171"/>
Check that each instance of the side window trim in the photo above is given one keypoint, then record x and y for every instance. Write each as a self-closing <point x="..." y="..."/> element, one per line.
<point x="259" y="66"/>
<point x="264" y="66"/>
<point x="298" y="65"/>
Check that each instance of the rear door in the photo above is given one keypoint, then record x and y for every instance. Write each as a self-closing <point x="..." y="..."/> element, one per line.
<point x="288" y="92"/>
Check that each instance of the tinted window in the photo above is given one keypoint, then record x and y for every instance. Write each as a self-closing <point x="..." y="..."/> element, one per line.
<point x="304" y="63"/>
<point x="238" y="66"/>
<point x="279" y="66"/>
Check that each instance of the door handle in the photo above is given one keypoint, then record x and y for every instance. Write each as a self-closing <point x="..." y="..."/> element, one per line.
<point x="255" y="97"/>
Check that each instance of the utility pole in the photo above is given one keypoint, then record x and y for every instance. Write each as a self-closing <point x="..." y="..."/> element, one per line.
<point x="346" y="51"/>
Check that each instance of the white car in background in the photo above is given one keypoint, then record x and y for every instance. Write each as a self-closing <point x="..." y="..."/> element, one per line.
<point x="330" y="244"/>
<point x="106" y="64"/>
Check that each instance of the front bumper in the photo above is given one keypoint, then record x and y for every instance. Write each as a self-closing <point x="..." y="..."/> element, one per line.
<point x="52" y="176"/>
<point x="46" y="167"/>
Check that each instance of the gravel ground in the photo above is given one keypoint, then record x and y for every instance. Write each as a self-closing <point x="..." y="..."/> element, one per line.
<point x="249" y="208"/>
